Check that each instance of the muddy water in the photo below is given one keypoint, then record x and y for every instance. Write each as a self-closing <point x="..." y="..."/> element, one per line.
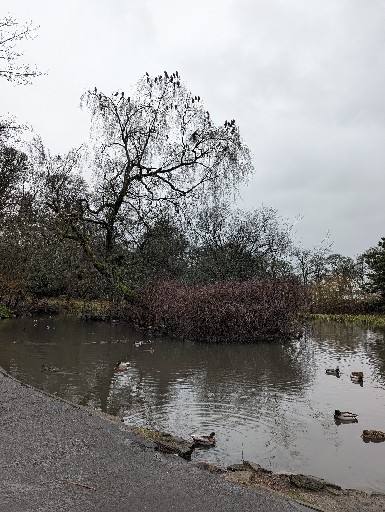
<point x="270" y="403"/>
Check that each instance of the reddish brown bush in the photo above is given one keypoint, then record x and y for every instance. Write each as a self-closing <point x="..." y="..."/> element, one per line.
<point x="227" y="311"/>
<point x="14" y="295"/>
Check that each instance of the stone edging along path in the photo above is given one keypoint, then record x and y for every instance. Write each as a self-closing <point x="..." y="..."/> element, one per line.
<point x="313" y="492"/>
<point x="56" y="452"/>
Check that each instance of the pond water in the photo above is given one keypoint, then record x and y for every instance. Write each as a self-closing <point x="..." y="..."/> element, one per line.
<point x="269" y="403"/>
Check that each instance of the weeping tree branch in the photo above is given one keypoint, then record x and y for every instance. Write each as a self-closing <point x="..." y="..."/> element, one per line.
<point x="155" y="146"/>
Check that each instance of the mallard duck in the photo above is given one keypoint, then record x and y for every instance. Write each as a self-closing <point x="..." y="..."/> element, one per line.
<point x="48" y="369"/>
<point x="204" y="439"/>
<point x="359" y="375"/>
<point x="345" y="416"/>
<point x="374" y="435"/>
<point x="121" y="367"/>
<point x="333" y="371"/>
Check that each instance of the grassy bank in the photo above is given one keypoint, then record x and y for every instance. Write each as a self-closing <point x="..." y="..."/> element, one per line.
<point x="98" y="310"/>
<point x="368" y="320"/>
<point x="5" y="312"/>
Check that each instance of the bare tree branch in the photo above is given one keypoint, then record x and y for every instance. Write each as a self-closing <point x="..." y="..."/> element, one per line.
<point x="11" y="32"/>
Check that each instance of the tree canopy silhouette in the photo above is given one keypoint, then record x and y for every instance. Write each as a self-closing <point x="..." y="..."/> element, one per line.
<point x="154" y="147"/>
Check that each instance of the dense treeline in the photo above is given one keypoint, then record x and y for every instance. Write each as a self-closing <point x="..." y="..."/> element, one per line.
<point x="140" y="217"/>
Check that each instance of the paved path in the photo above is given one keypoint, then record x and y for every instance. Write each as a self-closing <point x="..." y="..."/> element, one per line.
<point x="57" y="457"/>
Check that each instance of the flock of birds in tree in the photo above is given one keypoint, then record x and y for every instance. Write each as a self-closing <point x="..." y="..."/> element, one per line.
<point x="174" y="78"/>
<point x="349" y="417"/>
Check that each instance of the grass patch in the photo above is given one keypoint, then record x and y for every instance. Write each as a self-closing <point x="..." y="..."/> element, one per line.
<point x="367" y="320"/>
<point x="98" y="310"/>
<point x="5" y="312"/>
<point x="153" y="435"/>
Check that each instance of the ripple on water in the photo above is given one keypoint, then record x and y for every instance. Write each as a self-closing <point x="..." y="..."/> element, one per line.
<point x="269" y="403"/>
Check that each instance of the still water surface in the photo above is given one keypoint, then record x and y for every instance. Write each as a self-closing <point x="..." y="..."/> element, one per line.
<point x="271" y="403"/>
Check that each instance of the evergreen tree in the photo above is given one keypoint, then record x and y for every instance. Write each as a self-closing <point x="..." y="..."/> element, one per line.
<point x="375" y="260"/>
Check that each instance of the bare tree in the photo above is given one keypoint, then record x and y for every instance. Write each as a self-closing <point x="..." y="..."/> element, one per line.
<point x="236" y="244"/>
<point x="155" y="146"/>
<point x="11" y="32"/>
<point x="311" y="264"/>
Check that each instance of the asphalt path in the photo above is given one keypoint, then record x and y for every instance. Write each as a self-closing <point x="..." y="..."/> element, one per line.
<point x="55" y="456"/>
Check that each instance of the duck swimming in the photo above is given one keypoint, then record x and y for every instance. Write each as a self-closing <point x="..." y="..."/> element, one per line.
<point x="121" y="367"/>
<point x="203" y="439"/>
<point x="373" y="435"/>
<point x="333" y="371"/>
<point x="345" y="416"/>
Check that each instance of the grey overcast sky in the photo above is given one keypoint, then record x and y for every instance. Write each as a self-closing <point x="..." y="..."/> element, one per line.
<point x="304" y="79"/>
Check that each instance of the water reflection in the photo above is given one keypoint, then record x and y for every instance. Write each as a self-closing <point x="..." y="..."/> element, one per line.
<point x="273" y="403"/>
